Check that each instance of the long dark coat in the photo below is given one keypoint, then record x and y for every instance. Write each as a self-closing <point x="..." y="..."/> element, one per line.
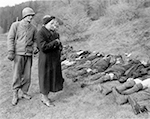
<point x="49" y="63"/>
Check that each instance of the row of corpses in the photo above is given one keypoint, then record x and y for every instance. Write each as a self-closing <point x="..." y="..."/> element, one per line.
<point x="94" y="68"/>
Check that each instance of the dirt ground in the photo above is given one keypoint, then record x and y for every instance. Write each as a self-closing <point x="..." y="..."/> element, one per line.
<point x="71" y="103"/>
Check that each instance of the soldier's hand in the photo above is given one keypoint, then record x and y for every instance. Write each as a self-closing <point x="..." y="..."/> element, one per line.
<point x="11" y="56"/>
<point x="35" y="51"/>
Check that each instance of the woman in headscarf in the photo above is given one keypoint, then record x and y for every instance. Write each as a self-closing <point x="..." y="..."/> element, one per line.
<point x="49" y="63"/>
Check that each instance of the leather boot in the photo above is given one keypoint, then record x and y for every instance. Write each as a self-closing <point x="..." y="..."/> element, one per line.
<point x="26" y="96"/>
<point x="15" y="97"/>
<point x="125" y="86"/>
<point x="134" y="89"/>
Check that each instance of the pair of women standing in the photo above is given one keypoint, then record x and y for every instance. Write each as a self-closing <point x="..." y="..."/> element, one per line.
<point x="49" y="63"/>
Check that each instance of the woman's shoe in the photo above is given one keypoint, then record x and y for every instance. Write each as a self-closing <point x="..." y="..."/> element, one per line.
<point x="47" y="103"/>
<point x="45" y="100"/>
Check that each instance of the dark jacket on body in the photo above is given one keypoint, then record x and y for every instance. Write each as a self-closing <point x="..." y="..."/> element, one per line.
<point x="49" y="64"/>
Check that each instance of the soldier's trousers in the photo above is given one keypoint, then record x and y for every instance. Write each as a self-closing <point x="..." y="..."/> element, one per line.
<point x="22" y="73"/>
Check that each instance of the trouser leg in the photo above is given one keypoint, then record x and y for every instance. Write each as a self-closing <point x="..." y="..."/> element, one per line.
<point x="26" y="79"/>
<point x="17" y="72"/>
<point x="17" y="75"/>
<point x="125" y="86"/>
<point x="134" y="89"/>
<point x="94" y="79"/>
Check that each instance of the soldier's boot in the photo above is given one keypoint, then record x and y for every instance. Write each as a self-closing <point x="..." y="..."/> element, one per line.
<point x="15" y="98"/>
<point x="135" y="106"/>
<point x="134" y="89"/>
<point x="26" y="96"/>
<point x="120" y="99"/>
<point x="125" y="86"/>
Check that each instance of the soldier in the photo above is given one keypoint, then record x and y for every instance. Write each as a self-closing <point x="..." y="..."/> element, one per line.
<point x="20" y="42"/>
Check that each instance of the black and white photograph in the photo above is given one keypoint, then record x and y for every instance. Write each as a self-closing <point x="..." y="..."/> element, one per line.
<point x="75" y="59"/>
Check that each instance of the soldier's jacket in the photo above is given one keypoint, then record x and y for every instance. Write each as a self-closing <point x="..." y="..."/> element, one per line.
<point x="21" y="38"/>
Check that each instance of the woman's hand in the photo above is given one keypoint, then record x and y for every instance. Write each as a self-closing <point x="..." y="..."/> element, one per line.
<point x="58" y="41"/>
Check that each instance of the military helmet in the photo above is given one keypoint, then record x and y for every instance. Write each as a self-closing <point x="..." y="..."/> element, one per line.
<point x="27" y="11"/>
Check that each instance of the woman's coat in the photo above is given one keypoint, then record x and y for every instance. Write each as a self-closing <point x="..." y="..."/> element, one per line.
<point x="49" y="63"/>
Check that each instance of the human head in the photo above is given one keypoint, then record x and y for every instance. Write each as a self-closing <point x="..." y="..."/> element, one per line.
<point x="27" y="14"/>
<point x="50" y="22"/>
<point x="27" y="11"/>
